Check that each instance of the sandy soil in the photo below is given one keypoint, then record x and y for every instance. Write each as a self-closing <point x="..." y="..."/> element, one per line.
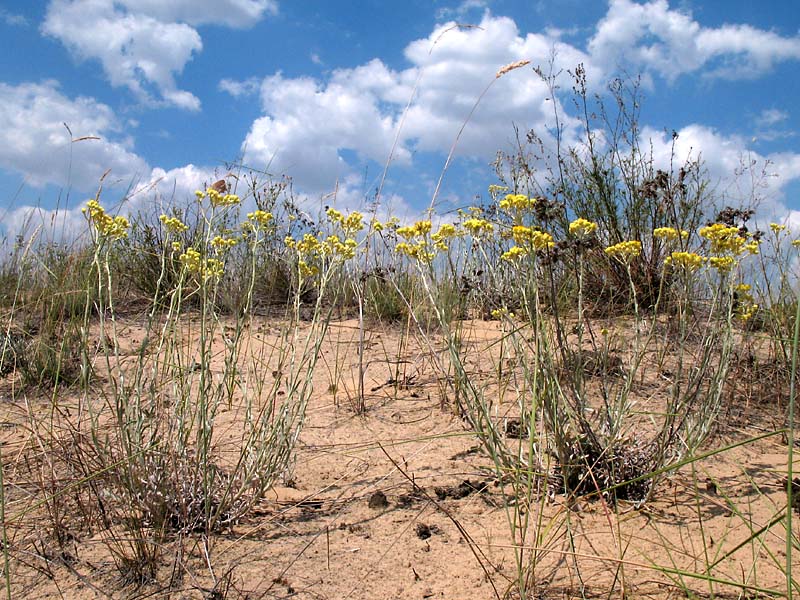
<point x="401" y="503"/>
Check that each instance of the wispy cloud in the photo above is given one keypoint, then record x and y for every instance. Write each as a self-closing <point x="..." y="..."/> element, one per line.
<point x="238" y="89"/>
<point x="13" y="19"/>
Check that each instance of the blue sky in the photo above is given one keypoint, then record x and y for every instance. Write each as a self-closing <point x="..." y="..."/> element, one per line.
<point x="317" y="90"/>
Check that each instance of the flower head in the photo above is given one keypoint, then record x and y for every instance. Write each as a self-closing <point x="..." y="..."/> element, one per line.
<point x="723" y="238"/>
<point x="517" y="202"/>
<point x="582" y="228"/>
<point x="113" y="228"/>
<point x="688" y="261"/>
<point x="625" y="251"/>
<point x="173" y="224"/>
<point x="670" y="233"/>
<point x="261" y="217"/>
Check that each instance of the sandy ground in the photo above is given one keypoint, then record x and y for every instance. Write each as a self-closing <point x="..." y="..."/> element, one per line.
<point x="401" y="503"/>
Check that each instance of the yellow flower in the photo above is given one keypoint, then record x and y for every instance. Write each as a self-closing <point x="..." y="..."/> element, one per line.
<point x="796" y="243"/>
<point x="477" y="226"/>
<point x="113" y="228"/>
<point x="723" y="238"/>
<point x="686" y="260"/>
<point x="670" y="233"/>
<point x="261" y="217"/>
<point x="419" y="229"/>
<point x="418" y="251"/>
<point x="422" y="227"/>
<point x="173" y="224"/>
<point x="194" y="263"/>
<point x="334" y="215"/>
<point x="625" y="251"/>
<point x="307" y="270"/>
<point x="353" y="223"/>
<point x="517" y="202"/>
<point x="514" y="253"/>
<point x="495" y="189"/>
<point x="776" y="229"/>
<point x="221" y="244"/>
<point x="446" y="231"/>
<point x="500" y="313"/>
<point x="582" y="228"/>
<point x="752" y="247"/>
<point x="176" y="246"/>
<point x="723" y="264"/>
<point x="219" y="199"/>
<point x="346" y="249"/>
<point x="376" y="225"/>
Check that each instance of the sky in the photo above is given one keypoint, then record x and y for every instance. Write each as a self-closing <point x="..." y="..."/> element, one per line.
<point x="163" y="96"/>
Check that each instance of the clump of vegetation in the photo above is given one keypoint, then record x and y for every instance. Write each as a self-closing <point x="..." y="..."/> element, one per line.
<point x="601" y="272"/>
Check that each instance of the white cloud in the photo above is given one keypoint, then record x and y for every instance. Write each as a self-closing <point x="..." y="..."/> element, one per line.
<point x="653" y="38"/>
<point x="12" y="19"/>
<point x="771" y="116"/>
<point x="238" y="89"/>
<point x="309" y="124"/>
<point x="465" y="8"/>
<point x="136" y="50"/>
<point x="145" y="44"/>
<point x="738" y="174"/>
<point x="35" y="143"/>
<point x="232" y="13"/>
<point x="175" y="186"/>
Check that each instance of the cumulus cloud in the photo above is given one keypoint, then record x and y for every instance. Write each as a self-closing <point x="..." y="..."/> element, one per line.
<point x="174" y="185"/>
<point x="653" y="38"/>
<point x="738" y="174"/>
<point x="144" y="44"/>
<point x="309" y="125"/>
<point x="35" y="142"/>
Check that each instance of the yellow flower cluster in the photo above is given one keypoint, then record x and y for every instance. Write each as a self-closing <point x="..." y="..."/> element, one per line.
<point x="582" y="227"/>
<point x="777" y="229"/>
<point x="173" y="224"/>
<point x="418" y="251"/>
<point x="688" y="261"/>
<point x="351" y="224"/>
<point x="746" y="307"/>
<point x="310" y="249"/>
<point x="477" y="226"/>
<point x="531" y="238"/>
<point x="419" y="229"/>
<point x="495" y="190"/>
<point x="113" y="228"/>
<point x="727" y="239"/>
<point x="500" y="313"/>
<point x="446" y="232"/>
<point x="206" y="268"/>
<point x="670" y="234"/>
<point x="221" y="244"/>
<point x="517" y="202"/>
<point x="723" y="264"/>
<point x="514" y="253"/>
<point x="262" y="217"/>
<point x="346" y="249"/>
<point x="625" y="251"/>
<point x="217" y="198"/>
